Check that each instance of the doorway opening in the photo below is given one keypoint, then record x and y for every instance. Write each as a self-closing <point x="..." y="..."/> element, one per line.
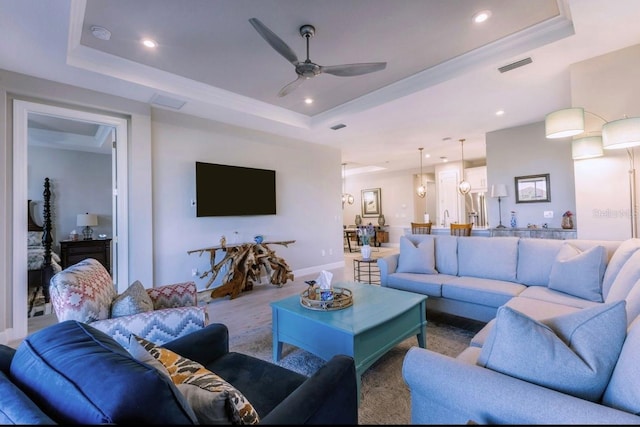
<point x="116" y="127"/>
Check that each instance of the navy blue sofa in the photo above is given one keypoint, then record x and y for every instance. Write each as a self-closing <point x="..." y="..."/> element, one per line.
<point x="72" y="373"/>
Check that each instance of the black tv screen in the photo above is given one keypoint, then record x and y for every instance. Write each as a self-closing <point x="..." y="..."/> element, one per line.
<point x="223" y="190"/>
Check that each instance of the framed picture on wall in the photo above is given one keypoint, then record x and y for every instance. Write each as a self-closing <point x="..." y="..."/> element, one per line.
<point x="371" y="203"/>
<point x="533" y="188"/>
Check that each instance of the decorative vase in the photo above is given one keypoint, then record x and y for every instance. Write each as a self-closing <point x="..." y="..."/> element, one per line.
<point x="366" y="251"/>
<point x="258" y="239"/>
<point x="358" y="220"/>
<point x="567" y="222"/>
<point x="381" y="220"/>
<point x="514" y="220"/>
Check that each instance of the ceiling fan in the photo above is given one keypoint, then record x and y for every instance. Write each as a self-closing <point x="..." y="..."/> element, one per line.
<point x="308" y="69"/>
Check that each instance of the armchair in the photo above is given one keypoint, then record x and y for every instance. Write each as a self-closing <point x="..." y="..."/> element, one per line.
<point x="85" y="292"/>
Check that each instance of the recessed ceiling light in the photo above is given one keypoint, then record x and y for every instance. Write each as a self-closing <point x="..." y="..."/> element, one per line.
<point x="499" y="112"/>
<point x="426" y="156"/>
<point x="308" y="100"/>
<point x="481" y="16"/>
<point x="100" y="32"/>
<point x="149" y="43"/>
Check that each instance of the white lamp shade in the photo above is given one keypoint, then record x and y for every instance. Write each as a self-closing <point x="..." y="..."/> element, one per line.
<point x="623" y="133"/>
<point x="498" y="190"/>
<point x="587" y="148"/>
<point x="564" y="123"/>
<point x="87" y="220"/>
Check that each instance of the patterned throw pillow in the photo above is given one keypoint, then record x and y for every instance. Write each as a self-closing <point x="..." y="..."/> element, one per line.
<point x="132" y="301"/>
<point x="213" y="399"/>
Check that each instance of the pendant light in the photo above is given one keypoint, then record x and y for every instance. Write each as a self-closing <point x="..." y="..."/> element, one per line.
<point x="464" y="187"/>
<point x="346" y="197"/>
<point x="422" y="190"/>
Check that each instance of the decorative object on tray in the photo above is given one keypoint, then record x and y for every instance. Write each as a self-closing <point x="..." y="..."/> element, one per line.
<point x="322" y="296"/>
<point x="567" y="220"/>
<point x="245" y="262"/>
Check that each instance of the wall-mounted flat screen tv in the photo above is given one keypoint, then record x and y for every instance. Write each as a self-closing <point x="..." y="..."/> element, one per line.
<point x="223" y="190"/>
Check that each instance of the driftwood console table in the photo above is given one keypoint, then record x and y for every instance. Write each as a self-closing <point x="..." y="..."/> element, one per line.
<point x="245" y="261"/>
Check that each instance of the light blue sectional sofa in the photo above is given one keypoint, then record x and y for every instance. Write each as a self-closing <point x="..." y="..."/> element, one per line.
<point x="562" y="339"/>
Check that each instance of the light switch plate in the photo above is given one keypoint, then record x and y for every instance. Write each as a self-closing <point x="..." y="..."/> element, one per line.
<point x="548" y="214"/>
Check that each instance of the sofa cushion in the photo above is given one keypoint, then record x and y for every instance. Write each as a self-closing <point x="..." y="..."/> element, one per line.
<point x="493" y="258"/>
<point x="418" y="258"/>
<point x="447" y="254"/>
<point x="489" y="292"/>
<point x="549" y="295"/>
<point x="574" y="353"/>
<point x="79" y="375"/>
<point x="618" y="259"/>
<point x="579" y="273"/>
<point x="133" y="300"/>
<point x="623" y="390"/>
<point x="17" y="408"/>
<point x="213" y="400"/>
<point x="427" y="284"/>
<point x="626" y="278"/>
<point x="535" y="258"/>
<point x="83" y="292"/>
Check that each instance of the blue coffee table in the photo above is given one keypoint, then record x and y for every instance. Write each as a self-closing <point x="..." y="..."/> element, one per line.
<point x="379" y="319"/>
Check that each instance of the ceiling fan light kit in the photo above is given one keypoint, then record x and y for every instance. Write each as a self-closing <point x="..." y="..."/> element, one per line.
<point x="307" y="69"/>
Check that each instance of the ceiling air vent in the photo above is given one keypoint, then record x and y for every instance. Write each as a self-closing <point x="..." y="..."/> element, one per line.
<point x="165" y="101"/>
<point x="516" y="64"/>
<point x="340" y="126"/>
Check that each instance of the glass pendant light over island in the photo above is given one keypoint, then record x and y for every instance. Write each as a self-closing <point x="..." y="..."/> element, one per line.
<point x="422" y="190"/>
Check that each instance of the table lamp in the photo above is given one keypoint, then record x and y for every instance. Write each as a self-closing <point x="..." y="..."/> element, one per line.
<point x="87" y="221"/>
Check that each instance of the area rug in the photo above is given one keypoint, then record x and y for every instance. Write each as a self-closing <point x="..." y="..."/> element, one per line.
<point x="385" y="396"/>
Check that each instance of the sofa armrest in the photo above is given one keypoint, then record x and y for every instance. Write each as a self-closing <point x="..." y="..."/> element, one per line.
<point x="203" y="346"/>
<point x="329" y="396"/>
<point x="157" y="326"/>
<point x="174" y="295"/>
<point x="387" y="265"/>
<point x="445" y="390"/>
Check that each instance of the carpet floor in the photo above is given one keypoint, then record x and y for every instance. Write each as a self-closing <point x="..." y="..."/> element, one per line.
<point x="385" y="396"/>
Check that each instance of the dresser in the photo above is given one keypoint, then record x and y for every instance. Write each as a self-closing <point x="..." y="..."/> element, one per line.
<point x="74" y="251"/>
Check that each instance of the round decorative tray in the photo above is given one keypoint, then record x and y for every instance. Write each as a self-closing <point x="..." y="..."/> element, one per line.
<point x="336" y="298"/>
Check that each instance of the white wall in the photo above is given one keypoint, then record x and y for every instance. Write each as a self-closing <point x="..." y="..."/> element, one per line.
<point x="307" y="186"/>
<point x="396" y="200"/>
<point x="608" y="86"/>
<point x="521" y="151"/>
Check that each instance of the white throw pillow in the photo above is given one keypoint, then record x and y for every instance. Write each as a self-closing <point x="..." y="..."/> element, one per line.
<point x="416" y="259"/>
<point x="579" y="273"/>
<point x="573" y="353"/>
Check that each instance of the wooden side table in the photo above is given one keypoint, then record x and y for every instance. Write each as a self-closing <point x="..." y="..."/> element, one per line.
<point x="366" y="271"/>
<point x="74" y="251"/>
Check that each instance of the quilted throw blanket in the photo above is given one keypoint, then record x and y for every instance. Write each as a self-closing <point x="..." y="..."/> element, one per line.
<point x="36" y="259"/>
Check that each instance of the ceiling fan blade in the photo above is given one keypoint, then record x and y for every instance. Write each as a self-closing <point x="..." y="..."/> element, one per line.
<point x="291" y="86"/>
<point x="276" y="42"/>
<point x="347" y="70"/>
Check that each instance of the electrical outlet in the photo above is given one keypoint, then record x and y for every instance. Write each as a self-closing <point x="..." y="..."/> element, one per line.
<point x="194" y="272"/>
<point x="548" y="214"/>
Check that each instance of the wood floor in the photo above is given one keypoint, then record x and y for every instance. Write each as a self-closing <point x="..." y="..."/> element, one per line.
<point x="251" y="309"/>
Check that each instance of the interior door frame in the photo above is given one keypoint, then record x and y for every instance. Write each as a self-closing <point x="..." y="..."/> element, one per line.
<point x="120" y="242"/>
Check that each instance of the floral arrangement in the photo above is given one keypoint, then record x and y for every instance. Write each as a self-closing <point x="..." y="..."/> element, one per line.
<point x="567" y="214"/>
<point x="366" y="232"/>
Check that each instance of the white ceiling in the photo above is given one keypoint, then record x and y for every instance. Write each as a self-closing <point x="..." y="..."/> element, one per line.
<point x="441" y="80"/>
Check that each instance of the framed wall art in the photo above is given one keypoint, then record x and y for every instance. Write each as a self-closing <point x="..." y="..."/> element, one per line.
<point x="371" y="202"/>
<point x="533" y="188"/>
